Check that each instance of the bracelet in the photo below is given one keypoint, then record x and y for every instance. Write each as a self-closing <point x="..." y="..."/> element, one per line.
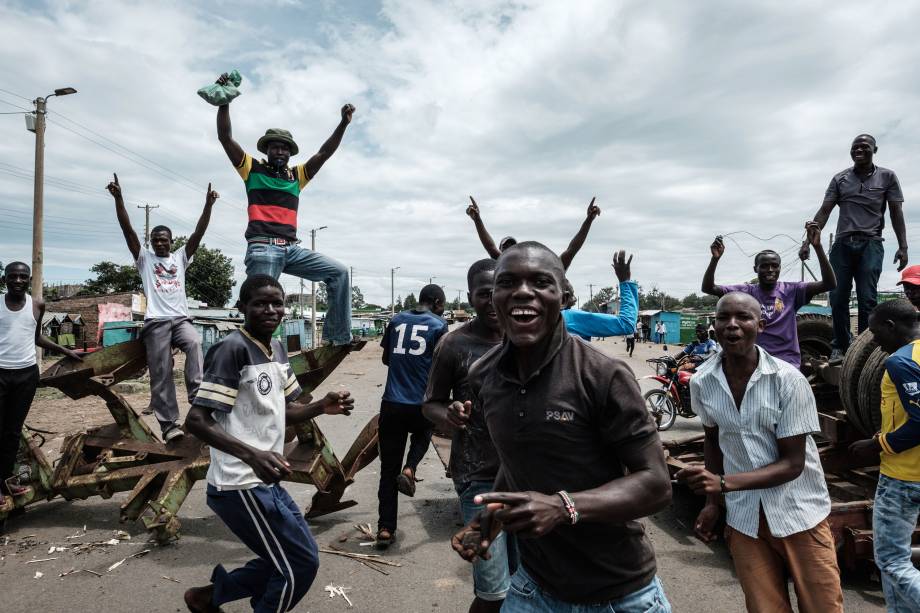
<point x="722" y="483"/>
<point x="569" y="505"/>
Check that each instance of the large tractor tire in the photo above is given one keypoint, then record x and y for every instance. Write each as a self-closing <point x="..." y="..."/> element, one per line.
<point x="870" y="392"/>
<point x="853" y="365"/>
<point x="816" y="332"/>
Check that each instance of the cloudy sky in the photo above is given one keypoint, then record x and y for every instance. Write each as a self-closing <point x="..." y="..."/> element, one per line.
<point x="686" y="120"/>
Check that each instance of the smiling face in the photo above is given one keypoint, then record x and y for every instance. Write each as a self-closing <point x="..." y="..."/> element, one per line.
<point x="161" y="241"/>
<point x="480" y="298"/>
<point x="17" y="278"/>
<point x="278" y="153"/>
<point x="738" y="322"/>
<point x="263" y="311"/>
<point x="528" y="294"/>
<point x="767" y="265"/>
<point x="862" y="150"/>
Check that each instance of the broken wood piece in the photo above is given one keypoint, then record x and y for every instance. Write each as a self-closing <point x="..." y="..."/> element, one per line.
<point x="41" y="560"/>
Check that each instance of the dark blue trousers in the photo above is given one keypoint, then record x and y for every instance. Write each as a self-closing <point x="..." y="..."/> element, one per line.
<point x="854" y="259"/>
<point x="268" y="521"/>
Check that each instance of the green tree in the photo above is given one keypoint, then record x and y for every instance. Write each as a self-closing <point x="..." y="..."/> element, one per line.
<point x="322" y="296"/>
<point x="694" y="301"/>
<point x="399" y="305"/>
<point x="112" y="278"/>
<point x="209" y="278"/>
<point x="602" y="296"/>
<point x="410" y="302"/>
<point x="657" y="300"/>
<point x="357" y="298"/>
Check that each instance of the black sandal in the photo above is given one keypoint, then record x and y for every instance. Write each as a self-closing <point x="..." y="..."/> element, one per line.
<point x="405" y="484"/>
<point x="382" y="542"/>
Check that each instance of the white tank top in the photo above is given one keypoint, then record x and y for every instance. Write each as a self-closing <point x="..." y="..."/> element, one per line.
<point x="17" y="335"/>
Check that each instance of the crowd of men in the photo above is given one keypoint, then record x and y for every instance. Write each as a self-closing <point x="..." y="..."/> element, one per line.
<point x="554" y="456"/>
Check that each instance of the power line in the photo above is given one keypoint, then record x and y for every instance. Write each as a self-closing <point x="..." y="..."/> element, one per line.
<point x="6" y="91"/>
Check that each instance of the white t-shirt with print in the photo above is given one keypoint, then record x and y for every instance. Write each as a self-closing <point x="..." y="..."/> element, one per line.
<point x="164" y="283"/>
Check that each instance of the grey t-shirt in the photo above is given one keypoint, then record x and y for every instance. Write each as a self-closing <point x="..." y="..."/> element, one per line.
<point x="862" y="201"/>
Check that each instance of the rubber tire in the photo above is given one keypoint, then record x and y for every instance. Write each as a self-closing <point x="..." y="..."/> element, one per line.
<point x="870" y="391"/>
<point x="816" y="334"/>
<point x="853" y="364"/>
<point x="667" y="420"/>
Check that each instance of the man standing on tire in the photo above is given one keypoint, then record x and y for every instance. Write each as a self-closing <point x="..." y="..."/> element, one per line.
<point x="759" y="414"/>
<point x="273" y="191"/>
<point x="862" y="191"/>
<point x="408" y="346"/>
<point x="895" y="326"/>
<point x="779" y="300"/>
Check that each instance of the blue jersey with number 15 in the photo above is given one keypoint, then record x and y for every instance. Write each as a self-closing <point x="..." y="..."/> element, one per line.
<point x="408" y="346"/>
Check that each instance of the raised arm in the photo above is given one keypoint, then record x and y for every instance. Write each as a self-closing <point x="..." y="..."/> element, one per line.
<point x="828" y="278"/>
<point x="896" y="211"/>
<point x="579" y="239"/>
<point x="224" y="130"/>
<point x="484" y="237"/>
<point x="195" y="239"/>
<point x="134" y="245"/>
<point x="717" y="249"/>
<point x="823" y="214"/>
<point x="332" y="143"/>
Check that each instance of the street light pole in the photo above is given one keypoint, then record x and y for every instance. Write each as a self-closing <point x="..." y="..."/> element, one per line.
<point x="313" y="291"/>
<point x="393" y="290"/>
<point x="38" y="201"/>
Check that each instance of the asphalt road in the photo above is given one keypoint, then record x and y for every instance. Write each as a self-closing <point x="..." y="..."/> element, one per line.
<point x="431" y="578"/>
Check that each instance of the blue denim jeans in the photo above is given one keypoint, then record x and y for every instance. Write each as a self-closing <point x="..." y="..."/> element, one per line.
<point x="263" y="259"/>
<point x="525" y="596"/>
<point x="894" y="516"/>
<point x="492" y="577"/>
<point x="860" y="259"/>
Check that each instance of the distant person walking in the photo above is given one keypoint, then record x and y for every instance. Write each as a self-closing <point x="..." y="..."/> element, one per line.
<point x="661" y="333"/>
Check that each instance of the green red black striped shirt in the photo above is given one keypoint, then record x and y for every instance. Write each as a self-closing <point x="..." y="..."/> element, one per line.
<point x="273" y="198"/>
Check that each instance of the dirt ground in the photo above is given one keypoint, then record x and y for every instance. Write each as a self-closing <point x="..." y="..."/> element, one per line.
<point x="430" y="578"/>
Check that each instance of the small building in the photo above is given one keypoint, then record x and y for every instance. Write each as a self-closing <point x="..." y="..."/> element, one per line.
<point x="65" y="329"/>
<point x="671" y="320"/>
<point x="213" y="331"/>
<point x="95" y="310"/>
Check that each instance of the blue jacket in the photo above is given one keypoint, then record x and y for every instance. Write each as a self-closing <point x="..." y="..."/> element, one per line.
<point x="586" y="325"/>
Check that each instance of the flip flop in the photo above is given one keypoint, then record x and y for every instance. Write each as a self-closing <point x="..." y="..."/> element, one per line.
<point x="383" y="543"/>
<point x="405" y="484"/>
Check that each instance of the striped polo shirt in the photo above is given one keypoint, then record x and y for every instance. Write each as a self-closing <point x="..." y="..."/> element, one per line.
<point x="247" y="386"/>
<point x="273" y="197"/>
<point x="778" y="403"/>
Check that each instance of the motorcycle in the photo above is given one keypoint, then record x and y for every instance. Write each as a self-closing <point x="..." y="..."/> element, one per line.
<point x="673" y="398"/>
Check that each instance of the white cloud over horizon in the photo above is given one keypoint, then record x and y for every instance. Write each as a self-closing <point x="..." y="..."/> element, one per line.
<point x="685" y="120"/>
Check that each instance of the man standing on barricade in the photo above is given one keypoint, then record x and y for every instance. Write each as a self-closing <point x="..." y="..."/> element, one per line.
<point x="166" y="321"/>
<point x="759" y="415"/>
<point x="862" y="192"/>
<point x="779" y="300"/>
<point x="580" y="458"/>
<point x="273" y="192"/>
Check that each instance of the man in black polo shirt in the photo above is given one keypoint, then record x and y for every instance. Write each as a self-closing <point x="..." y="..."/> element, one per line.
<point x="273" y="191"/>
<point x="581" y="460"/>
<point x="862" y="192"/>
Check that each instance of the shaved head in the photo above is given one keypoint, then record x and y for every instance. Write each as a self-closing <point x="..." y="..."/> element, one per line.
<point x="736" y="299"/>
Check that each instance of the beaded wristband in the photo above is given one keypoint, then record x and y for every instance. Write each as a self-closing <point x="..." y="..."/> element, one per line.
<point x="569" y="505"/>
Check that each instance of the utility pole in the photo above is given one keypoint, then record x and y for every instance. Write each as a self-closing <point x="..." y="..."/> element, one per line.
<point x="38" y="198"/>
<point x="393" y="290"/>
<point x="313" y="292"/>
<point x="591" y="292"/>
<point x="351" y="285"/>
<point x="458" y="297"/>
<point x="147" y="208"/>
<point x="301" y="300"/>
<point x="430" y="279"/>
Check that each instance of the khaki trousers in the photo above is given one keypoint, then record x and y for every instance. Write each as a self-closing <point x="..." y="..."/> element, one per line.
<point x="763" y="565"/>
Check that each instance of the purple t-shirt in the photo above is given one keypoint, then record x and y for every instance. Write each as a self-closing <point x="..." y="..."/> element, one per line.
<point x="780" y="336"/>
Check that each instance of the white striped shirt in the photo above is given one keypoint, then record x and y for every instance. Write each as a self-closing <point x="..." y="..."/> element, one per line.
<point x="778" y="403"/>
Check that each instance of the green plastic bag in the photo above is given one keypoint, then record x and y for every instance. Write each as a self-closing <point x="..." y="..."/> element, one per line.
<point x="219" y="95"/>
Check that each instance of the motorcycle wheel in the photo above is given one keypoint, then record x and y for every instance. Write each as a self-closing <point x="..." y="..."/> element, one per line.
<point x="662" y="409"/>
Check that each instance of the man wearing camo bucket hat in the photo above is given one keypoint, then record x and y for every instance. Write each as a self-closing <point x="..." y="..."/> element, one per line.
<point x="273" y="191"/>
